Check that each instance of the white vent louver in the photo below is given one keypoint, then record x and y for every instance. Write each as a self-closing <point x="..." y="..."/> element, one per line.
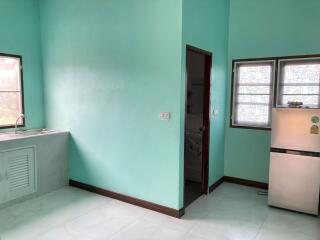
<point x="19" y="172"/>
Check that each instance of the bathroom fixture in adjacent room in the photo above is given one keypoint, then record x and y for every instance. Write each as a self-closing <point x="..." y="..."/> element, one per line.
<point x="197" y="123"/>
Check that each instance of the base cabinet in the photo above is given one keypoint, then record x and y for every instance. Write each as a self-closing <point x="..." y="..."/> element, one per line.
<point x="17" y="173"/>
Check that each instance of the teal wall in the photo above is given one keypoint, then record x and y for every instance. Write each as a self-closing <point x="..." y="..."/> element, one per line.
<point x="20" y="34"/>
<point x="262" y="28"/>
<point x="110" y="67"/>
<point x="205" y="25"/>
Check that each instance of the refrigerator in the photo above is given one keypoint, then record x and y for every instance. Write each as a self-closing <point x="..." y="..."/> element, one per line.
<point x="294" y="174"/>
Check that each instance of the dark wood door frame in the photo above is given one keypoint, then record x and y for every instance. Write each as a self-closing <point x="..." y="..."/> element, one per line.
<point x="206" y="116"/>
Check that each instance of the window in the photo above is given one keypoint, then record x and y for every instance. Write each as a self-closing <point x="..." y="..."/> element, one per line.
<point x="252" y="93"/>
<point x="298" y="85"/>
<point x="299" y="81"/>
<point x="11" y="90"/>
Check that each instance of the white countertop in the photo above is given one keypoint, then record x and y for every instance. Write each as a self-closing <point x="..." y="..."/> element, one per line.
<point x="9" y="136"/>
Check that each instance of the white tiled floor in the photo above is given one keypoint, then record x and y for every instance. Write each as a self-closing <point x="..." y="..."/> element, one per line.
<point x="231" y="212"/>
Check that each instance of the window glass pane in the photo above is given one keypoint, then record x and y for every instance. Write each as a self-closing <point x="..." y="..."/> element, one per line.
<point x="299" y="81"/>
<point x="253" y="89"/>
<point x="252" y="114"/>
<point x="301" y="73"/>
<point x="300" y="90"/>
<point x="10" y="107"/>
<point x="262" y="99"/>
<point x="254" y="73"/>
<point x="310" y="100"/>
<point x="9" y="74"/>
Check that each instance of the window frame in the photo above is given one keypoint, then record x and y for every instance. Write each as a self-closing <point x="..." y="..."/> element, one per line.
<point x="297" y="60"/>
<point x="233" y="90"/>
<point x="275" y="84"/>
<point x="23" y="124"/>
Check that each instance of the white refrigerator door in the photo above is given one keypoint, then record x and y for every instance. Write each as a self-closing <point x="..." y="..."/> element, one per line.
<point x="291" y="129"/>
<point x="294" y="182"/>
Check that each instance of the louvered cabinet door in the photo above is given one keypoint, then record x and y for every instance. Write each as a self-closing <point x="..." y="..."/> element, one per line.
<point x="19" y="172"/>
<point x="2" y="180"/>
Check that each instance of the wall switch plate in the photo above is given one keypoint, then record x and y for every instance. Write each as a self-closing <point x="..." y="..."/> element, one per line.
<point x="164" y="116"/>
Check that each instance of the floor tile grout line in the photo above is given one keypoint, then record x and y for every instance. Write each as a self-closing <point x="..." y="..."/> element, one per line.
<point x="123" y="228"/>
<point x="64" y="222"/>
<point x="261" y="226"/>
<point x="93" y="209"/>
<point x="259" y="230"/>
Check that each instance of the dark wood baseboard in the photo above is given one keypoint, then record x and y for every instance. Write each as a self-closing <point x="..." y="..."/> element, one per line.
<point x="159" y="208"/>
<point x="216" y="184"/>
<point x="246" y="182"/>
<point x="135" y="201"/>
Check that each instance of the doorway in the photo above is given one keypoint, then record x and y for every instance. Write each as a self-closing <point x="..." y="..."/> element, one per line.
<point x="197" y="124"/>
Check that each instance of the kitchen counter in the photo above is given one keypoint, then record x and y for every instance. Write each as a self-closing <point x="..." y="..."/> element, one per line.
<point x="47" y="151"/>
<point x="10" y="136"/>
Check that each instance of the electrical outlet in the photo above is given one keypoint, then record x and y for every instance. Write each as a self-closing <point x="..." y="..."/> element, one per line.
<point x="164" y="116"/>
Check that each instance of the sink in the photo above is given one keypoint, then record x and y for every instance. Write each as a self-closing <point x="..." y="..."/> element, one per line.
<point x="33" y="131"/>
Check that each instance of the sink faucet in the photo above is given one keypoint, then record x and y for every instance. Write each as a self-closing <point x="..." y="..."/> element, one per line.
<point x="21" y="116"/>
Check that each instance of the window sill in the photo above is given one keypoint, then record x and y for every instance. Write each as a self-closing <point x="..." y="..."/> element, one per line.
<point x="251" y="127"/>
<point x="12" y="126"/>
<point x="303" y="107"/>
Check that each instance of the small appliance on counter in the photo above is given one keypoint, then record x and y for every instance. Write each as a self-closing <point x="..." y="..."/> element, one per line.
<point x="294" y="176"/>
